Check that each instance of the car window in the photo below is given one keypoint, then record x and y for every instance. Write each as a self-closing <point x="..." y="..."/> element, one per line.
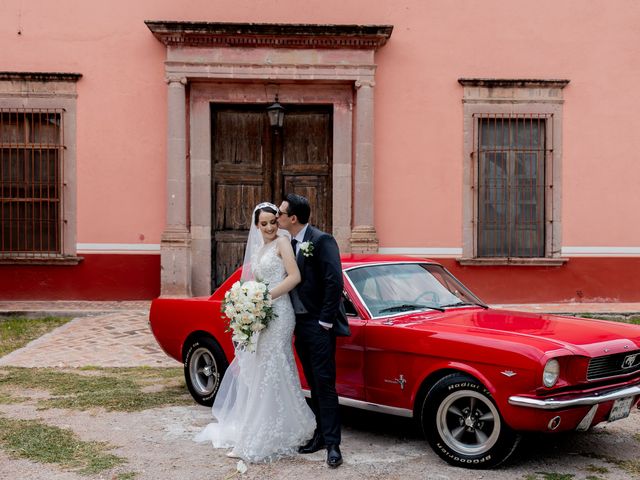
<point x="349" y="308"/>
<point x="403" y="286"/>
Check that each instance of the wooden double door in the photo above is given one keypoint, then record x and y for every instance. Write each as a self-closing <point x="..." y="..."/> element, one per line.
<point x="253" y="162"/>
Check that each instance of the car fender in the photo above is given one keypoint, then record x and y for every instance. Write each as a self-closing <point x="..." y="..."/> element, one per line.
<point x="441" y="369"/>
<point x="495" y="378"/>
<point x="175" y="321"/>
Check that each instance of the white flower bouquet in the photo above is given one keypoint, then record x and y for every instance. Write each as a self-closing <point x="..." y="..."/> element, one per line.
<point x="248" y="306"/>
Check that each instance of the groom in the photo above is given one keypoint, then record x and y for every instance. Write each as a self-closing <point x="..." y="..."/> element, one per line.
<point x="320" y="317"/>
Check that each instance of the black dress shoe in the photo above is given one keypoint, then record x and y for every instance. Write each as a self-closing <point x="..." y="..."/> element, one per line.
<point x="316" y="443"/>
<point x="334" y="457"/>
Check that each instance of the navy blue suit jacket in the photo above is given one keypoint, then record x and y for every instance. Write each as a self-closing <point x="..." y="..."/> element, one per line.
<point x="320" y="290"/>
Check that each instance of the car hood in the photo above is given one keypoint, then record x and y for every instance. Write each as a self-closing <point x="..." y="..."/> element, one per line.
<point x="581" y="336"/>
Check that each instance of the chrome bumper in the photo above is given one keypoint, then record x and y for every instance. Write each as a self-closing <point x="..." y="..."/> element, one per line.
<point x="551" y="404"/>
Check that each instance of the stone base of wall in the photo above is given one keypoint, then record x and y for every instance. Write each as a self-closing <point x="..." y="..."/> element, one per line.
<point x="364" y="240"/>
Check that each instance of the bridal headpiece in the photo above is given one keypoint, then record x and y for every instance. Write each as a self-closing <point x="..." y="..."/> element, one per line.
<point x="265" y="205"/>
<point x="254" y="242"/>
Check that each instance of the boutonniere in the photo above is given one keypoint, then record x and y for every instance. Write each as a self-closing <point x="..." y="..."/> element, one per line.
<point x="307" y="249"/>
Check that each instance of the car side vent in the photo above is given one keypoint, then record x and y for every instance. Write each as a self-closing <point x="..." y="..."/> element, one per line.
<point x="614" y="365"/>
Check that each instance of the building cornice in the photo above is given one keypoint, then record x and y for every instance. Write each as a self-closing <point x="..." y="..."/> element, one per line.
<point x="41" y="76"/>
<point x="514" y="82"/>
<point x="272" y="35"/>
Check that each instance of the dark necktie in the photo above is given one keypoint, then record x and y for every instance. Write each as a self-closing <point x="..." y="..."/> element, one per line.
<point x="294" y="242"/>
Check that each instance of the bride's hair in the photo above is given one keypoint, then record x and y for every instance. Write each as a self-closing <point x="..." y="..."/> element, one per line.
<point x="254" y="239"/>
<point x="266" y="208"/>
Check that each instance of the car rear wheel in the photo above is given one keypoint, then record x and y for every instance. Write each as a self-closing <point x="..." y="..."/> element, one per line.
<point x="204" y="366"/>
<point x="463" y="425"/>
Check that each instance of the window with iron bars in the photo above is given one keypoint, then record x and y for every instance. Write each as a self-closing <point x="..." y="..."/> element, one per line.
<point x="31" y="172"/>
<point x="511" y="152"/>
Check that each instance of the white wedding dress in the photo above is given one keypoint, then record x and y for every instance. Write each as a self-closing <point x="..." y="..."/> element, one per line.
<point x="260" y="410"/>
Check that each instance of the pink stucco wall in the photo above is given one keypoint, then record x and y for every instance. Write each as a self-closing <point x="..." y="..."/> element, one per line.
<point x="419" y="115"/>
<point x="418" y="112"/>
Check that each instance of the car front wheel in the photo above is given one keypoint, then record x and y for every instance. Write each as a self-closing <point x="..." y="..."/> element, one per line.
<point x="463" y="425"/>
<point x="204" y="366"/>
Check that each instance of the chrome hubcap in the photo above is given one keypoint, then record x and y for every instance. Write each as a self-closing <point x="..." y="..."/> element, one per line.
<point x="468" y="422"/>
<point x="204" y="372"/>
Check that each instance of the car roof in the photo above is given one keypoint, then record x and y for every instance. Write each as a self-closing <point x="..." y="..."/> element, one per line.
<point x="355" y="260"/>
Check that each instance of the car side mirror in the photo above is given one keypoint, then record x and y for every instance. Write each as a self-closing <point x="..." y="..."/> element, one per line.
<point x="349" y="308"/>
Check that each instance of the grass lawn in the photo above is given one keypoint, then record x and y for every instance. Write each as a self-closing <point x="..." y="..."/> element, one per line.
<point x="118" y="389"/>
<point x="633" y="319"/>
<point x="114" y="389"/>
<point x="16" y="332"/>
<point x="43" y="443"/>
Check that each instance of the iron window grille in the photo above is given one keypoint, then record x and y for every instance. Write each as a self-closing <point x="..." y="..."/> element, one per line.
<point x="31" y="172"/>
<point x="513" y="155"/>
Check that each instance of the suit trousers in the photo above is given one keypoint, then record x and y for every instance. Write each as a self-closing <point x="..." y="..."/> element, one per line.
<point x="316" y="348"/>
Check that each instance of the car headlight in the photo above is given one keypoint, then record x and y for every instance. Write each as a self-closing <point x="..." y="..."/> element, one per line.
<point x="551" y="373"/>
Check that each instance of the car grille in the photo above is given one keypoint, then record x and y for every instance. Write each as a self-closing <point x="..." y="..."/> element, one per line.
<point x="614" y="365"/>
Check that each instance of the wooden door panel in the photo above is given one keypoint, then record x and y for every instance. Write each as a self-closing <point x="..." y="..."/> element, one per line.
<point x="251" y="163"/>
<point x="229" y="256"/>
<point x="305" y="170"/>
<point x="240" y="167"/>
<point x="233" y="206"/>
<point x="307" y="138"/>
<point x="238" y="136"/>
<point x="307" y="159"/>
<point x="316" y="189"/>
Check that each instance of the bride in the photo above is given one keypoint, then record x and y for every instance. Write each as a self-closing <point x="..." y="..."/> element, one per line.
<point x="260" y="410"/>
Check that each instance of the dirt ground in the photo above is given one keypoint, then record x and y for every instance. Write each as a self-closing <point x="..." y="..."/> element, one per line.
<point x="157" y="444"/>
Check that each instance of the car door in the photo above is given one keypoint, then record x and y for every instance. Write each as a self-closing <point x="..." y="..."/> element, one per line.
<point x="350" y="352"/>
<point x="388" y="367"/>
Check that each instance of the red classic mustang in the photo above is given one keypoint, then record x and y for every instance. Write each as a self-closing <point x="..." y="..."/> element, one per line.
<point x="424" y="346"/>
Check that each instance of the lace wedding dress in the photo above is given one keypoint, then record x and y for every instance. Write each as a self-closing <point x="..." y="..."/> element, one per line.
<point x="260" y="410"/>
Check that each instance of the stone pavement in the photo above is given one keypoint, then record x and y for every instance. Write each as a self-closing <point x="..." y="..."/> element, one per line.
<point x="116" y="334"/>
<point x="104" y="334"/>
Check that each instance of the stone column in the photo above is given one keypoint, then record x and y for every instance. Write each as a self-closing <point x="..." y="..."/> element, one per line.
<point x="175" y="247"/>
<point x="363" y="234"/>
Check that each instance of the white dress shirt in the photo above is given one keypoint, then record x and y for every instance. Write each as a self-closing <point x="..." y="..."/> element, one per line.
<point x="300" y="238"/>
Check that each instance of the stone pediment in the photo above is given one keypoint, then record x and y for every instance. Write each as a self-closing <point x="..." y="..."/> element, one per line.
<point x="272" y="35"/>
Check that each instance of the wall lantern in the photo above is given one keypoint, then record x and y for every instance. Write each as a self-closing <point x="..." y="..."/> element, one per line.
<point x="276" y="114"/>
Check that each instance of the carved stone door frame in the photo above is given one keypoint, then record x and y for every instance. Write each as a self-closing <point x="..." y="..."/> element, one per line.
<point x="236" y="63"/>
<point x="202" y="95"/>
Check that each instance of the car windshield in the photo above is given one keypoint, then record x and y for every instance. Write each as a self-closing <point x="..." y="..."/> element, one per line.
<point x="389" y="289"/>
